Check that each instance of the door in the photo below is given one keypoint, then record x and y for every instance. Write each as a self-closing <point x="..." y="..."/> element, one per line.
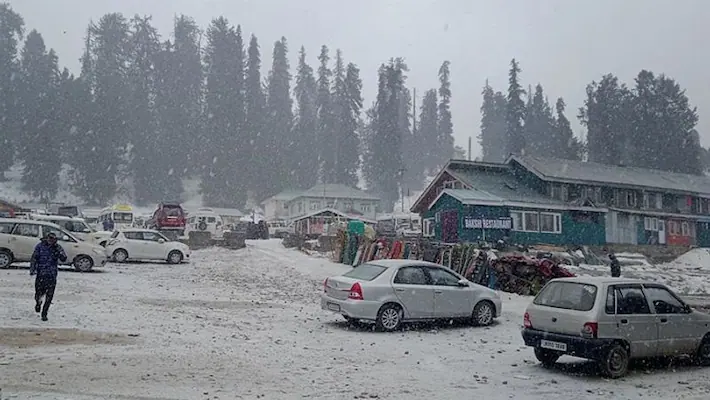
<point x="661" y="231"/>
<point x="133" y="243"/>
<point x="635" y="322"/>
<point x="152" y="249"/>
<point x="675" y="325"/>
<point x="23" y="240"/>
<point x="413" y="289"/>
<point x="450" y="299"/>
<point x="450" y="226"/>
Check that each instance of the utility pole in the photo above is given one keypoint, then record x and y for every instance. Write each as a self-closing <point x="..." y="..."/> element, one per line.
<point x="469" y="148"/>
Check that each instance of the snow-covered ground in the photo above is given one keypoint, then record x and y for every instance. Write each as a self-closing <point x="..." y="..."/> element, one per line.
<point x="246" y="324"/>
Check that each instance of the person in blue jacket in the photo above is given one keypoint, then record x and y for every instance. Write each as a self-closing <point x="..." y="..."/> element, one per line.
<point x="45" y="264"/>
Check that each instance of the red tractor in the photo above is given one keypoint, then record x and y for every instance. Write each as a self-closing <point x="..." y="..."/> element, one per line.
<point x="169" y="219"/>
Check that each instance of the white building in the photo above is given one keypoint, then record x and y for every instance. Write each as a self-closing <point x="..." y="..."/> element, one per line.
<point x="288" y="205"/>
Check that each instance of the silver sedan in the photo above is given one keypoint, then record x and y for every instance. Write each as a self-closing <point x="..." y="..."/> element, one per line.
<point x="391" y="292"/>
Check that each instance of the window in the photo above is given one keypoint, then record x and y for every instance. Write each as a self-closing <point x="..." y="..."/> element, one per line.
<point x="152" y="236"/>
<point x="517" y="218"/>
<point x="699" y="206"/>
<point x="659" y="201"/>
<point x="610" y="307"/>
<point x="646" y="200"/>
<point x="330" y="204"/>
<point x="550" y="223"/>
<point x="442" y="277"/>
<point x="30" y="230"/>
<point x="124" y="217"/>
<point x="411" y="276"/>
<point x="364" y="207"/>
<point x="211" y="220"/>
<point x="452" y="185"/>
<point x="6" y="227"/>
<point x="664" y="302"/>
<point x="631" y="300"/>
<point x="564" y="193"/>
<point x="568" y="296"/>
<point x="60" y="234"/>
<point x="650" y="224"/>
<point x="315" y="205"/>
<point x="673" y="228"/>
<point x="630" y="199"/>
<point x="428" y="227"/>
<point x="365" y="272"/>
<point x="531" y="222"/>
<point x="133" y="235"/>
<point x="684" y="229"/>
<point x="348" y="205"/>
<point x="555" y="191"/>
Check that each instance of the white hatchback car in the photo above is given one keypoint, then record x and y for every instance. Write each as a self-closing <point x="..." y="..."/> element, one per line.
<point x="18" y="238"/>
<point x="145" y="244"/>
<point x="391" y="292"/>
<point x="613" y="320"/>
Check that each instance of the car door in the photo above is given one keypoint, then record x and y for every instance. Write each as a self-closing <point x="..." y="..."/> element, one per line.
<point x="674" y="321"/>
<point x="450" y="299"/>
<point x="133" y="242"/>
<point x="635" y="322"/>
<point x="414" y="291"/>
<point x="23" y="240"/>
<point x="152" y="248"/>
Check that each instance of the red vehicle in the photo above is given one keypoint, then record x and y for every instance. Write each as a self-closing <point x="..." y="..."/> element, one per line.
<point x="168" y="217"/>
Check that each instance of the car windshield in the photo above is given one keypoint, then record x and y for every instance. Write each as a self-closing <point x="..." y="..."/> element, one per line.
<point x="122" y="217"/>
<point x="172" y="211"/>
<point x="568" y="296"/>
<point x="365" y="272"/>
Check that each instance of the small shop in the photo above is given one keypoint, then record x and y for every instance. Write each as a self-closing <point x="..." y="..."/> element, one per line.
<point x="319" y="222"/>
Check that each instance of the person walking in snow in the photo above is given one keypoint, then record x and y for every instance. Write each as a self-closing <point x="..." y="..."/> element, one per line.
<point x="108" y="224"/>
<point x="615" y="266"/>
<point x="45" y="264"/>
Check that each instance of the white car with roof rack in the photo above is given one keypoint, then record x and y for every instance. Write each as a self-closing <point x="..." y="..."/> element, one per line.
<point x="18" y="238"/>
<point x="134" y="244"/>
<point x="612" y="321"/>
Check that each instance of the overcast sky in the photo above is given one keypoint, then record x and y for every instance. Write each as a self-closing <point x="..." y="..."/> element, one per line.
<point x="563" y="44"/>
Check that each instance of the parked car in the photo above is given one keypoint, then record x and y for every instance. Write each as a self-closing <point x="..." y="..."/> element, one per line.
<point x="168" y="217"/>
<point x="205" y="220"/>
<point x="392" y="292"/>
<point x="77" y="226"/>
<point x="18" y="238"/>
<point x="145" y="244"/>
<point x="612" y="321"/>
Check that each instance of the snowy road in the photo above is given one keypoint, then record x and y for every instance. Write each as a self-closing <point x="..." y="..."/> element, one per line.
<point x="247" y="324"/>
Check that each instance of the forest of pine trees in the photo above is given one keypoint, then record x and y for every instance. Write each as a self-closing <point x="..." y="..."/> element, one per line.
<point x="146" y="112"/>
<point x="649" y="125"/>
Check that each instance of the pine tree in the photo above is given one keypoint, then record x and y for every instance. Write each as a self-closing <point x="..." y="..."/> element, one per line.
<point x="567" y="145"/>
<point x="493" y="137"/>
<point x="516" y="111"/>
<point x="255" y="106"/>
<point x="222" y="183"/>
<point x="305" y="124"/>
<point x="428" y="131"/>
<point x="539" y="125"/>
<point x="40" y="147"/>
<point x="153" y="176"/>
<point x="11" y="30"/>
<point x="105" y="143"/>
<point x="325" y="127"/>
<point x="279" y="105"/>
<point x="446" y="127"/>
<point x="347" y="103"/>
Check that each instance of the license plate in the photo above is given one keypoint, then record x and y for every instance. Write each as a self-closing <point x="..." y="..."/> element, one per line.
<point x="333" y="307"/>
<point x="547" y="344"/>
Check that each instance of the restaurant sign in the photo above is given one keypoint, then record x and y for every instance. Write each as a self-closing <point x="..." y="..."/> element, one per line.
<point x="487" y="223"/>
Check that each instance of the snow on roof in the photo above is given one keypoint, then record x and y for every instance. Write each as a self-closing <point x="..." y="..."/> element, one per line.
<point x="286" y="195"/>
<point x="568" y="170"/>
<point x="334" y="211"/>
<point x="336" y="191"/>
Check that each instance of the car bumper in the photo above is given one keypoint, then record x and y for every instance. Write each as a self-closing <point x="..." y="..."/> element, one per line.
<point x="356" y="309"/>
<point x="577" y="346"/>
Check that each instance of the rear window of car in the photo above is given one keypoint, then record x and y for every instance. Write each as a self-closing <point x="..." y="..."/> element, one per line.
<point x="365" y="272"/>
<point x="568" y="296"/>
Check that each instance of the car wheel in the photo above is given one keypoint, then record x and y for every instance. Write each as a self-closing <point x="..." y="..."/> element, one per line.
<point x="615" y="362"/>
<point x="175" y="257"/>
<point x="703" y="354"/>
<point x="120" y="255"/>
<point x="547" y="358"/>
<point x="5" y="258"/>
<point x="389" y="318"/>
<point x="483" y="313"/>
<point x="83" y="263"/>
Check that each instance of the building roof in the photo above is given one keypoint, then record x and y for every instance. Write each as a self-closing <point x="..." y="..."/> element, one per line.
<point x="286" y="195"/>
<point x="336" y="191"/>
<point x="333" y="211"/>
<point x="589" y="172"/>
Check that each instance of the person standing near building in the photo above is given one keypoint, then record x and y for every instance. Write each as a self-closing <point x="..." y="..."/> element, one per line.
<point x="615" y="266"/>
<point x="45" y="264"/>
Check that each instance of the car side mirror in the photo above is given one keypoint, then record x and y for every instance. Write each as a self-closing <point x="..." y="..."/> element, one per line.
<point x="161" y="240"/>
<point x="463" y="283"/>
<point x="65" y="238"/>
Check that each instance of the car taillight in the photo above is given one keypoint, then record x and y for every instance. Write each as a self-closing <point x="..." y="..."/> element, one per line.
<point x="526" y="321"/>
<point x="590" y="329"/>
<point x="355" y="292"/>
<point x="325" y="285"/>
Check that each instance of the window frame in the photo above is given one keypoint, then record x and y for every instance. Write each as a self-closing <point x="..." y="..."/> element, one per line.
<point x="684" y="305"/>
<point x="632" y="286"/>
<point x="556" y="222"/>
<point x="428" y="227"/>
<point x="427" y="278"/>
<point x="429" y="270"/>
